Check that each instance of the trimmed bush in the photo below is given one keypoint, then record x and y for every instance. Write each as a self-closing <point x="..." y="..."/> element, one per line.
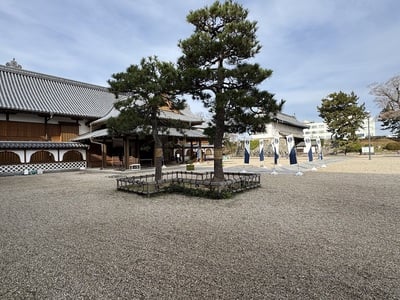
<point x="211" y="194"/>
<point x="353" y="147"/>
<point x="393" y="146"/>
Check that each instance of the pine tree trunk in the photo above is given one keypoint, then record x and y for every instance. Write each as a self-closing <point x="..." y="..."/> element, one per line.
<point x="158" y="162"/>
<point x="219" y="135"/>
<point x="158" y="152"/>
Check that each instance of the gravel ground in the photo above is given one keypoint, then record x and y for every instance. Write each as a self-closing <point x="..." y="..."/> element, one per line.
<point x="323" y="235"/>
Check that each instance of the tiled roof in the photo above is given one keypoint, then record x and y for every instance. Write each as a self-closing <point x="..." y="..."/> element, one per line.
<point x="92" y="135"/>
<point x="40" y="145"/>
<point x="191" y="133"/>
<point x="27" y="91"/>
<point x="290" y="120"/>
<point x="184" y="115"/>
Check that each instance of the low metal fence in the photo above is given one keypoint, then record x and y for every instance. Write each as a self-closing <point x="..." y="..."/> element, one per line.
<point x="147" y="185"/>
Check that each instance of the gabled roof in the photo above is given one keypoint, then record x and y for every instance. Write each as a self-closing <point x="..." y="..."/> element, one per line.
<point x="26" y="91"/>
<point x="184" y="115"/>
<point x="290" y="120"/>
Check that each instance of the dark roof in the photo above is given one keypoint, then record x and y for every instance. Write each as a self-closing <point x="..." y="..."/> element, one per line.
<point x="190" y="133"/>
<point x="302" y="144"/>
<point x="27" y="91"/>
<point x="290" y="120"/>
<point x="184" y="115"/>
<point x="40" y="145"/>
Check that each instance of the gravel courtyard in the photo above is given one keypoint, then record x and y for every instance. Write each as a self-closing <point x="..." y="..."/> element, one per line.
<point x="323" y="235"/>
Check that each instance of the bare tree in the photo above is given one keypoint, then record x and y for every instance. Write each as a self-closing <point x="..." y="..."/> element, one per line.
<point x="387" y="97"/>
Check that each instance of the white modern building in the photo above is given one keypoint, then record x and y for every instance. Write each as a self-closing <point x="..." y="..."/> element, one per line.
<point x="320" y="129"/>
<point x="363" y="132"/>
<point x="317" y="129"/>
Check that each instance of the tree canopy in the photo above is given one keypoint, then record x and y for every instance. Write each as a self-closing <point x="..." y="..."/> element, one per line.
<point x="387" y="97"/>
<point x="144" y="89"/>
<point x="343" y="115"/>
<point x="217" y="71"/>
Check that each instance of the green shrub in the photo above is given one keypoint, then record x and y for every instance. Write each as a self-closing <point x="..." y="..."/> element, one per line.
<point x="211" y="194"/>
<point x="393" y="146"/>
<point x="353" y="147"/>
<point x="190" y="167"/>
<point x="254" y="144"/>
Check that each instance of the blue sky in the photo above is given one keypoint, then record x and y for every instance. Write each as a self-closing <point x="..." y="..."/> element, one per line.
<point x="314" y="47"/>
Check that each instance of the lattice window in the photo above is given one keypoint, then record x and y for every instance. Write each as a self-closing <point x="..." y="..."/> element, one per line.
<point x="72" y="155"/>
<point x="8" y="157"/>
<point x="69" y="132"/>
<point x="42" y="157"/>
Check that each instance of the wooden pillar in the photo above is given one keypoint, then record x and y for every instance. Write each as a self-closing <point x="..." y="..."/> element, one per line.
<point x="183" y="149"/>
<point x="137" y="150"/>
<point x="201" y="150"/>
<point x="191" y="149"/>
<point x="103" y="148"/>
<point x="45" y="128"/>
<point x="126" y="152"/>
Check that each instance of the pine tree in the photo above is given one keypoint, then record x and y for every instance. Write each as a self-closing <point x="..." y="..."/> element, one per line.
<point x="217" y="71"/>
<point x="343" y="116"/>
<point x="146" y="87"/>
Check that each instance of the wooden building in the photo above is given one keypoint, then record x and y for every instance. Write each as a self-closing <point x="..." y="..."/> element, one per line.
<point x="50" y="123"/>
<point x="40" y="114"/>
<point x="135" y="148"/>
<point x="281" y="126"/>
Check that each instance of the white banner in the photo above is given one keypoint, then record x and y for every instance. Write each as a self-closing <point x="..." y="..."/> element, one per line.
<point x="319" y="147"/>
<point x="275" y="147"/>
<point x="308" y="148"/>
<point x="246" y="151"/>
<point x="291" y="149"/>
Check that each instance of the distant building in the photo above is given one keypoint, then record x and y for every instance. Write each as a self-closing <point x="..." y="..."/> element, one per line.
<point x="282" y="125"/>
<point x="320" y="129"/>
<point x="317" y="129"/>
<point x="362" y="133"/>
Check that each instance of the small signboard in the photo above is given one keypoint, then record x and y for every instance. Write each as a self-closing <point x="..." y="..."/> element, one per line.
<point x="365" y="150"/>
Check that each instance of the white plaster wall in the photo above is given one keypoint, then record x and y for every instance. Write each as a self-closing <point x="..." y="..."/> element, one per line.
<point x="21" y="117"/>
<point x="83" y="128"/>
<point x="21" y="155"/>
<point x="55" y="153"/>
<point x="26" y="118"/>
<point x="270" y="131"/>
<point x="56" y="120"/>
